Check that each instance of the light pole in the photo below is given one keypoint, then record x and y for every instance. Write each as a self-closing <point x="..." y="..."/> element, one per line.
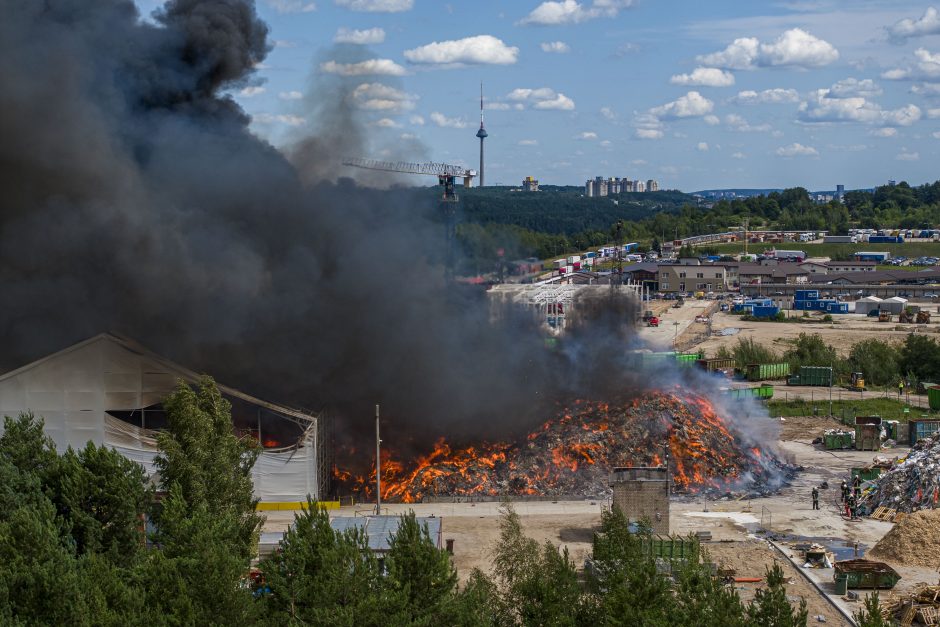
<point x="675" y="337"/>
<point x="378" y="466"/>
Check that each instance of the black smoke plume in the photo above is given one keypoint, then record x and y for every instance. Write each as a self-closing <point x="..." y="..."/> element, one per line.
<point x="135" y="199"/>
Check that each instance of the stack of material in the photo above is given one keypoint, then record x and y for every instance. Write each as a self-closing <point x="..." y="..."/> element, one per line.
<point x="914" y="541"/>
<point x="921" y="605"/>
<point x="912" y="484"/>
<point x="573" y="454"/>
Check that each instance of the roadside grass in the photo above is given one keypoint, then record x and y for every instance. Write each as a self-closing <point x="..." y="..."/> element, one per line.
<point x="887" y="408"/>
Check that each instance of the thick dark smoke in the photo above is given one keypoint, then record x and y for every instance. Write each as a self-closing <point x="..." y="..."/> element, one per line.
<point x="135" y="199"/>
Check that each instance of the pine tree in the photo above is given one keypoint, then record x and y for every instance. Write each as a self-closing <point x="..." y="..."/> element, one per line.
<point x="770" y="607"/>
<point x="870" y="615"/>
<point x="420" y="572"/>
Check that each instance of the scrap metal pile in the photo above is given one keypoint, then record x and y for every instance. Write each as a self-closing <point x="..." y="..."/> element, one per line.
<point x="912" y="484"/>
<point x="573" y="454"/>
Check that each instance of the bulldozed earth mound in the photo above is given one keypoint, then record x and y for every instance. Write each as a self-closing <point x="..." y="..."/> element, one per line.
<point x="913" y="541"/>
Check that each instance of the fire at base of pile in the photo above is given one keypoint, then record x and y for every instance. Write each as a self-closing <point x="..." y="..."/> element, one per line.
<point x="573" y="454"/>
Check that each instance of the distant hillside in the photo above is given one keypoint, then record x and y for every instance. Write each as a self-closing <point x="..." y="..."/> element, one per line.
<point x="563" y="210"/>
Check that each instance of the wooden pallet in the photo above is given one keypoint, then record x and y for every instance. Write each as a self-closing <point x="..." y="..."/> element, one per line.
<point x="928" y="615"/>
<point x="887" y="514"/>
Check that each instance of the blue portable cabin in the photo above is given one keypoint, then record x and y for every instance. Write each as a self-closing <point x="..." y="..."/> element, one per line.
<point x="806" y="295"/>
<point x="765" y="311"/>
<point x="836" y="307"/>
<point x="629" y="248"/>
<point x="760" y="302"/>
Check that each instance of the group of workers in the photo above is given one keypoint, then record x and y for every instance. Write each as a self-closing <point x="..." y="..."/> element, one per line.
<point x="850" y="497"/>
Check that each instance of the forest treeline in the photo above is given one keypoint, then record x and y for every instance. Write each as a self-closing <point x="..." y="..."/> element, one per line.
<point x="551" y="223"/>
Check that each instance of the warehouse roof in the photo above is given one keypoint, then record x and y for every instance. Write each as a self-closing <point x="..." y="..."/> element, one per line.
<point x="380" y="529"/>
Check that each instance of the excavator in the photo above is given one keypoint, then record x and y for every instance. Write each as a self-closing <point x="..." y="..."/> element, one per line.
<point x="857" y="384"/>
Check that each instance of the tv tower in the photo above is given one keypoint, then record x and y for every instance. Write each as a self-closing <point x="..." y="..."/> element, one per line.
<point x="482" y="134"/>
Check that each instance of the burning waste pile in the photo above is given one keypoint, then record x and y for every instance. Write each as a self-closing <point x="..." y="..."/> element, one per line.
<point x="912" y="484"/>
<point x="572" y="455"/>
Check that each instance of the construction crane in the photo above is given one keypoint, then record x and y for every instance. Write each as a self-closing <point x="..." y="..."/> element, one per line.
<point x="446" y="175"/>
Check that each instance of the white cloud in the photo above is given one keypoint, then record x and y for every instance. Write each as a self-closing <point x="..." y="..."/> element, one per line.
<point x="693" y="104"/>
<point x="385" y="67"/>
<point x="737" y="123"/>
<point x="794" y="48"/>
<point x="927" y="90"/>
<point x="926" y="67"/>
<point x="555" y="46"/>
<point x="269" y="118"/>
<point x="712" y="120"/>
<point x="797" y="150"/>
<point x="606" y="143"/>
<point x="906" y="155"/>
<point x="386" y="123"/>
<point x="408" y="136"/>
<point x="935" y="134"/>
<point x="377" y="6"/>
<point x="648" y="126"/>
<point x="290" y="95"/>
<point x="417" y="120"/>
<point x="739" y="155"/>
<point x="819" y="107"/>
<point x="767" y="96"/>
<point x="496" y="106"/>
<point x="927" y="24"/>
<point x="251" y="92"/>
<point x="573" y="12"/>
<point x="702" y="147"/>
<point x="478" y="50"/>
<point x="587" y="135"/>
<point x="933" y="114"/>
<point x="706" y="77"/>
<point x="292" y="6"/>
<point x="445" y="122"/>
<point x="528" y="142"/>
<point x="608" y="114"/>
<point x="883" y="132"/>
<point x="542" y="98"/>
<point x="379" y="97"/>
<point x="849" y="87"/>
<point x="361" y="37"/>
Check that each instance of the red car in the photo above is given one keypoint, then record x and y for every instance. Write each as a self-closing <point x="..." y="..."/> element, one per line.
<point x="653" y="322"/>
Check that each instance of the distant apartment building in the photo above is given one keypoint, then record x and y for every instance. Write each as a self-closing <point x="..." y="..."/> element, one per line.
<point x="530" y="184"/>
<point x="599" y="186"/>
<point x="840" y="192"/>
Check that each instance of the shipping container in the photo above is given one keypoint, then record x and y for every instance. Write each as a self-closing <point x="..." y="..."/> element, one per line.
<point x="767" y="372"/>
<point x="812" y="375"/>
<point x="866" y="474"/>
<point x="919" y="429"/>
<point x="762" y="391"/>
<point x="868" y="433"/>
<point x="713" y="365"/>
<point x="837" y="308"/>
<point x="839" y="239"/>
<point x="885" y="239"/>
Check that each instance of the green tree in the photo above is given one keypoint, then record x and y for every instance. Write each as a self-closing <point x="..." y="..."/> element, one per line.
<point x="811" y="350"/>
<point x="420" y="572"/>
<point x="701" y="598"/>
<point x="322" y="577"/>
<point x="207" y="527"/>
<point x="920" y="356"/>
<point x="478" y="602"/>
<point x="770" y="607"/>
<point x="876" y="360"/>
<point x="747" y="351"/>
<point x="870" y="615"/>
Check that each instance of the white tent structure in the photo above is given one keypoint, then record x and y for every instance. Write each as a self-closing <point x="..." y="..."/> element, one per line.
<point x="869" y="303"/>
<point x="109" y="390"/>
<point x="895" y="304"/>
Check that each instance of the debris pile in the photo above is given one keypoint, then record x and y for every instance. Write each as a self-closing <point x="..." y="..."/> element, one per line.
<point x="573" y="454"/>
<point x="912" y="484"/>
<point x="921" y="605"/>
<point x="913" y="541"/>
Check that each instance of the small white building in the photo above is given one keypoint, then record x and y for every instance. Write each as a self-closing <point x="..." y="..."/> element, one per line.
<point x="894" y="305"/>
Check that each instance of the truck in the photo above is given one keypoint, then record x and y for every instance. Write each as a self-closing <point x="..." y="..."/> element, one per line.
<point x="652" y="321"/>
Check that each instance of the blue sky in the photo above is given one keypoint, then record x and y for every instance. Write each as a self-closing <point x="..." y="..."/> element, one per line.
<point x="695" y="94"/>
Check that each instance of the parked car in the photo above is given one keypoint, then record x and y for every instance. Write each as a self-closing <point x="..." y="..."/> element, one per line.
<point x="873" y="313"/>
<point x="653" y="322"/>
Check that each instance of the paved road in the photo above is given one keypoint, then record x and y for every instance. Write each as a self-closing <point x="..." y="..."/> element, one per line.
<point x="663" y="337"/>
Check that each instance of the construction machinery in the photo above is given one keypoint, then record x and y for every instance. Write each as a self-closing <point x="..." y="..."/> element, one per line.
<point x="857" y="383"/>
<point x="884" y="316"/>
<point x="923" y="317"/>
<point x="446" y="175"/>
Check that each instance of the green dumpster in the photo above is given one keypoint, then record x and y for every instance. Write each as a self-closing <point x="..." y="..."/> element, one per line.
<point x="842" y="584"/>
<point x="862" y="573"/>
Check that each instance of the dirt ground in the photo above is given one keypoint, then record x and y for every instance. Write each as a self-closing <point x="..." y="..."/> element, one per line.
<point x="842" y="333"/>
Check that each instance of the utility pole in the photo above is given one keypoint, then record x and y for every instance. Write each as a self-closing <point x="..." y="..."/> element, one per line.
<point x="378" y="465"/>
